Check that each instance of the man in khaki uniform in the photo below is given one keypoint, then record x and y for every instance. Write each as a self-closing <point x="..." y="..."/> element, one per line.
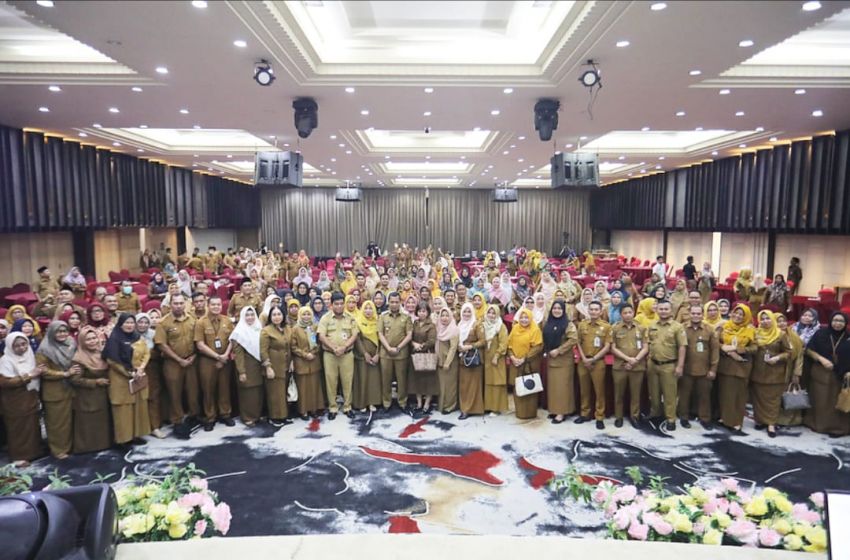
<point x="395" y="331"/>
<point x="460" y="299"/>
<point x="701" y="360"/>
<point x="337" y="332"/>
<point x="128" y="301"/>
<point x="629" y="346"/>
<point x="667" y="347"/>
<point x="199" y="305"/>
<point x="212" y="338"/>
<point x="46" y="284"/>
<point x="245" y="297"/>
<point x="292" y="267"/>
<point x="682" y="316"/>
<point x="594" y="341"/>
<point x="175" y="336"/>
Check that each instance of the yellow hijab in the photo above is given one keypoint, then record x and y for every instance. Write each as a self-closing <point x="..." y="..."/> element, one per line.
<point x="356" y="312"/>
<point x="716" y="322"/>
<point x="435" y="288"/>
<point x="767" y="336"/>
<point x="793" y="338"/>
<point x="522" y="339"/>
<point x="36" y="328"/>
<point x="348" y="284"/>
<point x="481" y="311"/>
<point x="645" y="314"/>
<point x="368" y="327"/>
<point x="743" y="333"/>
<point x="589" y="260"/>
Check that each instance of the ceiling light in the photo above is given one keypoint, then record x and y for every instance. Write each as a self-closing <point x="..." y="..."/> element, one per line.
<point x="137" y="89"/>
<point x="427" y="157"/>
<point x="49" y="3"/>
<point x="197" y="127"/>
<point x="760" y="129"/>
<point x="139" y="150"/>
<point x="714" y="153"/>
<point x="774" y="139"/>
<point x="349" y="89"/>
<point x="426" y="114"/>
<point x="742" y="145"/>
<point x="341" y="145"/>
<point x="725" y="91"/>
<point x="643" y="170"/>
<point x="97" y="125"/>
<point x="240" y="43"/>
<point x="746" y="43"/>
<point x="272" y="137"/>
<point x="161" y="70"/>
<point x="364" y="112"/>
<point x="116" y="144"/>
<point x="386" y="157"/>
<point x="658" y="6"/>
<point x="143" y="126"/>
<point x="495" y="112"/>
<point x="695" y="72"/>
<point x="333" y="136"/>
<point x="263" y="73"/>
<point x="661" y="157"/>
<point x="644" y="129"/>
<point x="568" y="145"/>
<point x="582" y="137"/>
<point x="680" y="114"/>
<point x="520" y="160"/>
<point x="199" y="4"/>
<point x="429" y="90"/>
<point x="621" y="158"/>
<point x="622" y="44"/>
<point x="54" y="88"/>
<point x="521" y="138"/>
<point x="807" y="6"/>
<point x="506" y="152"/>
<point x="348" y="152"/>
<point x="44" y="109"/>
<point x="114" y="110"/>
<point x="83" y="135"/>
<point x="817" y="113"/>
<point x="739" y="114"/>
<point x="698" y="129"/>
<point x="508" y="90"/>
<point x="184" y="111"/>
<point x="657" y="167"/>
<point x="800" y="91"/>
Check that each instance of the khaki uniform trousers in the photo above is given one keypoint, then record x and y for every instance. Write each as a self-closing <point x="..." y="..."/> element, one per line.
<point x="695" y="386"/>
<point x="339" y="371"/>
<point x="595" y="377"/>
<point x="215" y="388"/>
<point x="662" y="382"/>
<point x="177" y="380"/>
<point x="397" y="368"/>
<point x="624" y="378"/>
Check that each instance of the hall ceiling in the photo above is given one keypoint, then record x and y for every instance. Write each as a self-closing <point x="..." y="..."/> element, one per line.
<point x="680" y="88"/>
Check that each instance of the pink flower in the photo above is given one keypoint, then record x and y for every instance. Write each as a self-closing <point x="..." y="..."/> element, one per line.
<point x="769" y="538"/>
<point x="742" y="530"/>
<point x="817" y="499"/>
<point x="699" y="528"/>
<point x="638" y="531"/>
<point x="200" y="527"/>
<point x="221" y="518"/>
<point x="191" y="500"/>
<point x="600" y="495"/>
<point x="730" y="484"/>
<point x="199" y="483"/>
<point x="711" y="506"/>
<point x="651" y="518"/>
<point x="207" y="505"/>
<point x="663" y="528"/>
<point x="622" y="519"/>
<point x="801" y="512"/>
<point x="735" y="510"/>
<point x="625" y="493"/>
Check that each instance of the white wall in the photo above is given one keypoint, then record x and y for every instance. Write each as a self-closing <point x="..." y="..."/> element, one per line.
<point x="742" y="250"/>
<point x="203" y="238"/>
<point x="150" y="238"/>
<point x="680" y="245"/>
<point x="116" y="249"/>
<point x="825" y="260"/>
<point x="642" y="244"/>
<point x="22" y="253"/>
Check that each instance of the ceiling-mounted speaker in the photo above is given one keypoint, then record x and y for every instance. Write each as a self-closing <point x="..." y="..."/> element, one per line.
<point x="574" y="170"/>
<point x="281" y="169"/>
<point x="348" y="194"/>
<point x="505" y="194"/>
<point x="306" y="115"/>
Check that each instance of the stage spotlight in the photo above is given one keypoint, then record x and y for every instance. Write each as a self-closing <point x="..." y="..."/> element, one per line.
<point x="306" y="115"/>
<point x="591" y="78"/>
<point x="546" y="117"/>
<point x="263" y="73"/>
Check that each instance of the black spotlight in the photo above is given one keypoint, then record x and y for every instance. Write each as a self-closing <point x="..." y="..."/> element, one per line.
<point x="306" y="115"/>
<point x="591" y="78"/>
<point x="263" y="73"/>
<point x="546" y="117"/>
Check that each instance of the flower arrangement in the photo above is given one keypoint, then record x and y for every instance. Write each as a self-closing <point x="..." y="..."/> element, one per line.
<point x="722" y="513"/>
<point x="179" y="507"/>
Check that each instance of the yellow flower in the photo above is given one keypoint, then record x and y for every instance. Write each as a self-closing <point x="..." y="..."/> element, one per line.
<point x="176" y="515"/>
<point x="136" y="524"/>
<point x="782" y="526"/>
<point x="723" y="519"/>
<point x="177" y="531"/>
<point x="771" y="493"/>
<point x="139" y="493"/>
<point x="756" y="507"/>
<point x="683" y="525"/>
<point x="670" y="503"/>
<point x="801" y="528"/>
<point x="712" y="536"/>
<point x="688" y="501"/>
<point x="151" y="489"/>
<point x="817" y="536"/>
<point x="158" y="510"/>
<point x="783" y="504"/>
<point x="792" y="542"/>
<point x="121" y="498"/>
<point x="698" y="494"/>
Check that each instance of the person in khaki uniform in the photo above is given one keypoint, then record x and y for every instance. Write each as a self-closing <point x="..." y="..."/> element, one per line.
<point x="737" y="347"/>
<point x="128" y="301"/>
<point x="276" y="358"/>
<point x="694" y="298"/>
<point x="175" y="337"/>
<point x="629" y="346"/>
<point x="46" y="284"/>
<point x="767" y="382"/>
<point x="395" y="331"/>
<point x="245" y="297"/>
<point x="215" y="368"/>
<point x="127" y="355"/>
<point x="668" y="345"/>
<point x="55" y="355"/>
<point x="559" y="339"/>
<point x="594" y="341"/>
<point x="337" y="333"/>
<point x="701" y="361"/>
<point x="306" y="355"/>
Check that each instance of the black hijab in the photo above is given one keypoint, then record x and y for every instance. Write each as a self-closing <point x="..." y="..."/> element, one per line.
<point x="553" y="330"/>
<point x="119" y="345"/>
<point x="833" y="345"/>
<point x="303" y="299"/>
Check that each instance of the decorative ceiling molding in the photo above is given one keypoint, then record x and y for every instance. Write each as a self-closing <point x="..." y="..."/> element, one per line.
<point x="414" y="142"/>
<point x="633" y="143"/>
<point x="153" y="140"/>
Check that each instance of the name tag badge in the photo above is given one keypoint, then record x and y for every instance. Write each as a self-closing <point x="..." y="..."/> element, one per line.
<point x="700" y="347"/>
<point x="217" y="344"/>
<point x="597" y="342"/>
<point x="639" y="344"/>
<point x="766" y="356"/>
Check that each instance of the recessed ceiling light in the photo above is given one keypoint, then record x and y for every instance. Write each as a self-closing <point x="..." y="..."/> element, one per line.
<point x="426" y="114"/>
<point x="386" y="157"/>
<point x="137" y="89"/>
<point x="506" y="152"/>
<point x="333" y="136"/>
<point x="630" y="174"/>
<point x="658" y="6"/>
<point x="194" y="155"/>
<point x="714" y="153"/>
<point x="645" y="129"/>
<point x="746" y="43"/>
<point x="184" y="111"/>
<point x="427" y="157"/>
<point x="520" y="160"/>
<point x="54" y="88"/>
<point x="508" y="90"/>
<point x="742" y="145"/>
<point x="139" y="150"/>
<point x="695" y="72"/>
<point x="341" y="145"/>
<point x="817" y="113"/>
<point x="272" y="137"/>
<point x="807" y="6"/>
<point x="462" y="157"/>
<point x="657" y="167"/>
<point x="45" y="3"/>
<point x="161" y="70"/>
<point x="661" y="158"/>
<point x="114" y="110"/>
<point x="240" y="43"/>
<point x="643" y="170"/>
<point x="44" y="109"/>
<point x="725" y="91"/>
<point x="621" y="158"/>
<point x="568" y="145"/>
<point x="348" y="152"/>
<point x="199" y="3"/>
<point x="622" y="44"/>
<point x="680" y="113"/>
<point x="739" y="113"/>
<point x="97" y="125"/>
<point x="759" y="129"/>
<point x="143" y="126"/>
<point x="116" y="144"/>
<point x="495" y="112"/>
<point x="349" y="89"/>
<point x="698" y="129"/>
<point x="364" y="112"/>
<point x="582" y="137"/>
<point x="83" y="135"/>
<point x="773" y="138"/>
<point x="429" y="90"/>
<point x="197" y="127"/>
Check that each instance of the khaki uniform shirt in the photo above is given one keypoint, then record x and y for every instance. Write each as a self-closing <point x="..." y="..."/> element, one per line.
<point x="179" y="335"/>
<point x="214" y="331"/>
<point x="665" y="338"/>
<point x="592" y="336"/>
<point x="129" y="304"/>
<point x="395" y="328"/>
<point x="47" y="286"/>
<point x="239" y="301"/>
<point x="703" y="350"/>
<point x="684" y="314"/>
<point x="630" y="340"/>
<point x="337" y="329"/>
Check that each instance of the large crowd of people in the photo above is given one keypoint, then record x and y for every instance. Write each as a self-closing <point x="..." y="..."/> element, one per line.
<point x="275" y="337"/>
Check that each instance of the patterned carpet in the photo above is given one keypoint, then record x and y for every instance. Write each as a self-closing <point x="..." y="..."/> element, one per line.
<point x="484" y="475"/>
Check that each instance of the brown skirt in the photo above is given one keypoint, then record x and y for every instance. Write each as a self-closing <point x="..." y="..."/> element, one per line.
<point x="824" y="387"/>
<point x="560" y="390"/>
<point x="131" y="420"/>
<point x="91" y="431"/>
<point x="250" y="403"/>
<point x="58" y="419"/>
<point x="767" y="402"/>
<point x="23" y="431"/>
<point x="525" y="407"/>
<point x="422" y="382"/>
<point x="471" y="383"/>
<point x="448" y="379"/>
<point x="276" y="397"/>
<point x="366" y="388"/>
<point x="732" y="399"/>
<point x="310" y="396"/>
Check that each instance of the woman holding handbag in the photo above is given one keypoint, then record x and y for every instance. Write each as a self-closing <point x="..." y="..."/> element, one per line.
<point x="829" y="354"/>
<point x="275" y="358"/>
<point x="470" y="375"/>
<point x="767" y="381"/>
<point x="737" y="346"/>
<point x="127" y="355"/>
<point x="308" y="364"/>
<point x="246" y="353"/>
<point x="793" y="371"/>
<point x="421" y="379"/>
<point x="525" y="348"/>
<point x="559" y="338"/>
<point x="495" y="369"/>
<point x="447" y="359"/>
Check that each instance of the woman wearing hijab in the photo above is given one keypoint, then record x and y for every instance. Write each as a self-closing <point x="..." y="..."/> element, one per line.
<point x="758" y="293"/>
<point x="4" y="331"/>
<point x="646" y="314"/>
<point x="582" y="312"/>
<point x="479" y="307"/>
<point x="20" y="379"/>
<point x="127" y="355"/>
<point x="612" y="311"/>
<point x="302" y="294"/>
<point x="74" y="320"/>
<point x="725" y="308"/>
<point x="540" y="309"/>
<point x="275" y="357"/>
<point x="499" y="293"/>
<point x="29" y="328"/>
<point x="292" y="312"/>
<point x="493" y="358"/>
<point x="306" y="354"/>
<point x="808" y="325"/>
<point x="437" y="305"/>
<point x="470" y="379"/>
<point x="711" y="315"/>
<point x="679" y="296"/>
<point x="75" y="281"/>
<point x="423" y="384"/>
<point x="525" y="348"/>
<point x="559" y="338"/>
<point x="55" y="354"/>
<point x="829" y="355"/>
<point x="737" y="347"/>
<point x="348" y="283"/>
<point x="767" y="382"/>
<point x="157" y="287"/>
<point x="447" y="361"/>
<point x="366" y="387"/>
<point x="303" y="277"/>
<point x="318" y="308"/>
<point x="18" y="312"/>
<point x="271" y="301"/>
<point x="380" y="302"/>
<point x="589" y="263"/>
<point x="323" y="284"/>
<point x="409" y="308"/>
<point x="91" y="395"/>
<point x="793" y="370"/>
<point x="520" y="291"/>
<point x="184" y="283"/>
<point x="246" y="349"/>
<point x="465" y="277"/>
<point x="98" y="317"/>
<point x="157" y="397"/>
<point x="705" y="282"/>
<point x="600" y="293"/>
<point x="743" y="284"/>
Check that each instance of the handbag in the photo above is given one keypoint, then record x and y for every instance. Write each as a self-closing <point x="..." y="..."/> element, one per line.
<point x="424" y="361"/>
<point x="795" y="398"/>
<point x="471" y="358"/>
<point x="292" y="390"/>
<point x="528" y="384"/>
<point x="138" y="383"/>
<point x="843" y="403"/>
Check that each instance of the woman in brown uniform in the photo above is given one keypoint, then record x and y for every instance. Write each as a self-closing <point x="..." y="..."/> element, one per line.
<point x="559" y="339"/>
<point x="423" y="384"/>
<point x="447" y="359"/>
<point x="737" y="346"/>
<point x="366" y="392"/>
<point x="157" y="398"/>
<point x="525" y="348"/>
<point x="55" y="353"/>
<point x="19" y="385"/>
<point x="308" y="365"/>
<point x="793" y="370"/>
<point x="246" y="351"/>
<point x="767" y="381"/>
<point x="275" y="358"/>
<point x="91" y="396"/>
<point x="470" y="379"/>
<point x="495" y="369"/>
<point x="829" y="354"/>
<point x="127" y="355"/>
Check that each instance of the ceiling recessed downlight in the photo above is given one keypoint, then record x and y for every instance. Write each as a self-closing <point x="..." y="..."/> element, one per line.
<point x="45" y="3"/>
<point x="364" y="112"/>
<point x="746" y="43"/>
<point x="644" y="129"/>
<point x="508" y="90"/>
<point x="799" y="91"/>
<point x="426" y="114"/>
<point x="114" y="110"/>
<point x="429" y="90"/>
<point x="82" y="135"/>
<point x="680" y="113"/>
<point x="200" y="4"/>
<point x="495" y="112"/>
<point x="136" y="89"/>
<point x="739" y="113"/>
<point x="184" y="111"/>
<point x="349" y="90"/>
<point x="658" y="6"/>
<point x="714" y="153"/>
<point x="725" y="91"/>
<point x="623" y="43"/>
<point x="817" y="113"/>
<point x="54" y="88"/>
<point x="44" y="109"/>
<point x="161" y="70"/>
<point x="695" y="72"/>
<point x="774" y="139"/>
<point x="240" y="43"/>
<point x="807" y="6"/>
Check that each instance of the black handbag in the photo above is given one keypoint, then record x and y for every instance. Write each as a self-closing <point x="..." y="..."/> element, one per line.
<point x="471" y="358"/>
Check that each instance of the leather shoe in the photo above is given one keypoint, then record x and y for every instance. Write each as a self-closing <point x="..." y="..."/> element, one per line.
<point x="670" y="426"/>
<point x="600" y="425"/>
<point x="463" y="416"/>
<point x="331" y="415"/>
<point x="208" y="426"/>
<point x="618" y="422"/>
<point x="581" y="420"/>
<point x="556" y="421"/>
<point x="771" y="434"/>
<point x="706" y="425"/>
<point x="635" y="422"/>
<point x="228" y="422"/>
<point x="350" y="414"/>
<point x="686" y="423"/>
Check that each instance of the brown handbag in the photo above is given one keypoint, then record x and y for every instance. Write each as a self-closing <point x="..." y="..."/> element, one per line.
<point x="843" y="403"/>
<point x="138" y="383"/>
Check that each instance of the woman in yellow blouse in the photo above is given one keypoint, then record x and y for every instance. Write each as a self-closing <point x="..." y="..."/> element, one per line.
<point x="737" y="347"/>
<point x="525" y="348"/>
<point x="767" y="382"/>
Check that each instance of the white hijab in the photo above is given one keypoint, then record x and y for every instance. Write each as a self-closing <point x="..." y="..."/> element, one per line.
<point x="465" y="326"/>
<point x="12" y="365"/>
<point x="184" y="281"/>
<point x="539" y="311"/>
<point x="248" y="336"/>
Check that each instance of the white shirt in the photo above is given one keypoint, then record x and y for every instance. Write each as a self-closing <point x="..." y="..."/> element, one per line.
<point x="660" y="269"/>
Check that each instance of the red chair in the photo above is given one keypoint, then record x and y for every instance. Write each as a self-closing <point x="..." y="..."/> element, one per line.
<point x="20" y="288"/>
<point x="826" y="296"/>
<point x="646" y="263"/>
<point x="733" y="275"/>
<point x="151" y="304"/>
<point x="145" y="278"/>
<point x="140" y="289"/>
<point x="125" y="274"/>
<point x="845" y="300"/>
<point x="114" y="276"/>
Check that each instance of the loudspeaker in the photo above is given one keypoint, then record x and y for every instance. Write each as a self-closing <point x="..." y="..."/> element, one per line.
<point x="574" y="170"/>
<point x="504" y="195"/>
<point x="283" y="169"/>
<point x="348" y="194"/>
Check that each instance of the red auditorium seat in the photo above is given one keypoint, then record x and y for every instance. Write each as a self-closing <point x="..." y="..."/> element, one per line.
<point x="826" y="295"/>
<point x="140" y="289"/>
<point x="145" y="278"/>
<point x="20" y="288"/>
<point x="114" y="276"/>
